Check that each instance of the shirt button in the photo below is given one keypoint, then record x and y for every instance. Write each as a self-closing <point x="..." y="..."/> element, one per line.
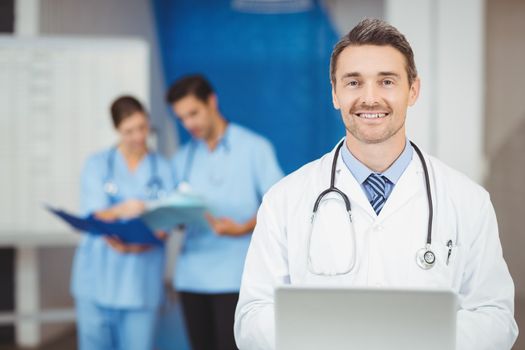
<point x="378" y="227"/>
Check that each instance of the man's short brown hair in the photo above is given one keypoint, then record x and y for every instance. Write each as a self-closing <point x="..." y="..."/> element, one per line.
<point x="372" y="31"/>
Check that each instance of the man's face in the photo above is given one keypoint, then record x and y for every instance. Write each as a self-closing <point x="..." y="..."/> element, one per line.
<point x="372" y="91"/>
<point x="195" y="115"/>
<point x="134" y="131"/>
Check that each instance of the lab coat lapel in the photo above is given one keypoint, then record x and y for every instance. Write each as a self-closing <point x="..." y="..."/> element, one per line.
<point x="409" y="184"/>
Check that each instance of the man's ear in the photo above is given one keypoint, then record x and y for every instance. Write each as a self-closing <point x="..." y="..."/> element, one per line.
<point x="213" y="101"/>
<point x="414" y="91"/>
<point x="335" y="101"/>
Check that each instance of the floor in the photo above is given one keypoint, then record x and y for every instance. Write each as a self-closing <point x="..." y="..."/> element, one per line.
<point x="66" y="342"/>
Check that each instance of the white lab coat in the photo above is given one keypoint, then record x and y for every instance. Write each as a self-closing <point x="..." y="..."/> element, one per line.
<point x="386" y="250"/>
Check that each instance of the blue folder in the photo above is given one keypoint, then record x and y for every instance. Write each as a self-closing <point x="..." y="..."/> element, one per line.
<point x="177" y="209"/>
<point x="133" y="231"/>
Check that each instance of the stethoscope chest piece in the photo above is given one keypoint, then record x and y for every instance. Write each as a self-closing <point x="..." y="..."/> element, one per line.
<point x="110" y="188"/>
<point x="155" y="191"/>
<point x="425" y="258"/>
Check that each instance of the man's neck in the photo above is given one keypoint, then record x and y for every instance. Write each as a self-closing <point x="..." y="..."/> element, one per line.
<point x="378" y="157"/>
<point x="217" y="133"/>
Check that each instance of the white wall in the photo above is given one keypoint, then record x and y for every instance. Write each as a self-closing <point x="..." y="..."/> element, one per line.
<point x="91" y="18"/>
<point x="115" y="18"/>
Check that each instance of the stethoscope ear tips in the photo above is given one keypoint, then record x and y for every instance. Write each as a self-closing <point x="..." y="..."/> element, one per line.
<point x="425" y="258"/>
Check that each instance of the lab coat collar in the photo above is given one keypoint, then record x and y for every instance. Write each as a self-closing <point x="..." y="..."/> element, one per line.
<point x="409" y="184"/>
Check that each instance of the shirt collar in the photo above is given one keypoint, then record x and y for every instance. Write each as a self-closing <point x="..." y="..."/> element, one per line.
<point x="225" y="140"/>
<point x="361" y="172"/>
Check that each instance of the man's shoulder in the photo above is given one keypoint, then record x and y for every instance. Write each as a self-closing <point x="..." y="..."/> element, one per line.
<point x="301" y="179"/>
<point x="457" y="184"/>
<point x="245" y="135"/>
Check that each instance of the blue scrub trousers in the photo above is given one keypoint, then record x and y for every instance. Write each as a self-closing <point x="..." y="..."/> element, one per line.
<point x="106" y="328"/>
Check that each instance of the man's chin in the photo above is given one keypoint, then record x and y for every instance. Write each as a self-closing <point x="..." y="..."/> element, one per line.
<point x="374" y="137"/>
<point x="194" y="134"/>
<point x="371" y="139"/>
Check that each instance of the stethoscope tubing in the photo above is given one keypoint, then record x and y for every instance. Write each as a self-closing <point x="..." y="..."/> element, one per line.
<point x="424" y="257"/>
<point x="188" y="166"/>
<point x="109" y="183"/>
<point x="429" y="193"/>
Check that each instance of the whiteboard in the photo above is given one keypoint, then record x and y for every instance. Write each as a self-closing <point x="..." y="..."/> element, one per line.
<point x="55" y="95"/>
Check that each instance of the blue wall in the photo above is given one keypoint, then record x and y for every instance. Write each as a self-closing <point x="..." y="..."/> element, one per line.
<point x="271" y="72"/>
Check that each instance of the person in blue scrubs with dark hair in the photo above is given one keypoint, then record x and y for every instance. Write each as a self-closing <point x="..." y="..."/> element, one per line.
<point x="118" y="287"/>
<point x="232" y="167"/>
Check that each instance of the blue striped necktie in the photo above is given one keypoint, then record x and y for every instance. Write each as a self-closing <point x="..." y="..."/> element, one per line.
<point x="378" y="185"/>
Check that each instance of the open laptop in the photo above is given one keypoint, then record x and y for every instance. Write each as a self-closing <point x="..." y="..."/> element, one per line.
<point x="364" y="319"/>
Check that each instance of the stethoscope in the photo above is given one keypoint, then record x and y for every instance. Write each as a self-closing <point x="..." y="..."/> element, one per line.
<point x="188" y="165"/>
<point x="425" y="257"/>
<point x="154" y="187"/>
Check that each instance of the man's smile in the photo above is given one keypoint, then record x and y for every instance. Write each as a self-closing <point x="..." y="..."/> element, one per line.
<point x="370" y="115"/>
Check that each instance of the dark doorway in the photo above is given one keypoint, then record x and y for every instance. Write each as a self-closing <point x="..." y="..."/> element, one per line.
<point x="7" y="332"/>
<point x="7" y="16"/>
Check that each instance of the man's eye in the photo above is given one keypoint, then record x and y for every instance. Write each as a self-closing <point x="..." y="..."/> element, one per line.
<point x="388" y="82"/>
<point x="353" y="83"/>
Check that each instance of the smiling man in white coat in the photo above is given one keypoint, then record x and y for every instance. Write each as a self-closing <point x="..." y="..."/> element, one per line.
<point x="374" y="81"/>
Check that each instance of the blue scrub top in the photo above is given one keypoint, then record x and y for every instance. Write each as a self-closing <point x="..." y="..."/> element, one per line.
<point x="101" y="274"/>
<point x="233" y="178"/>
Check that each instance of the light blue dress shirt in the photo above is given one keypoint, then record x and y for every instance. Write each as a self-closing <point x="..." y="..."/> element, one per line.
<point x="233" y="178"/>
<point x="101" y="274"/>
<point x="361" y="172"/>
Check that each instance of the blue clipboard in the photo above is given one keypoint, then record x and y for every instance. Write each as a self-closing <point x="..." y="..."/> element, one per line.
<point x="133" y="231"/>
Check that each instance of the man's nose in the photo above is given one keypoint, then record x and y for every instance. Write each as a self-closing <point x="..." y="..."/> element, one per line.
<point x="370" y="95"/>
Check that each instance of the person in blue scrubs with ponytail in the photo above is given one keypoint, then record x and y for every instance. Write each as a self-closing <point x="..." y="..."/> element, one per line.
<point x="118" y="287"/>
<point x="232" y="167"/>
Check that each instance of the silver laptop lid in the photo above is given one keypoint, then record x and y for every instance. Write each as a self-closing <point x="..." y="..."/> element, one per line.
<point x="364" y="319"/>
